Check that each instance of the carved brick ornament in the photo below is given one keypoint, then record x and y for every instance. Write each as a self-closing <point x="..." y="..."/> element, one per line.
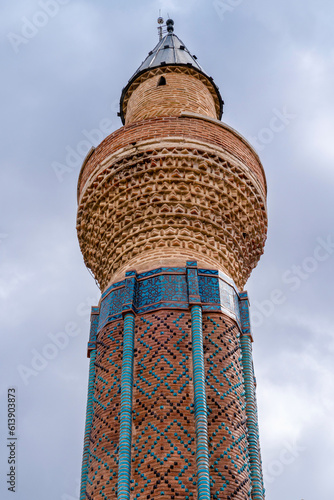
<point x="162" y="197"/>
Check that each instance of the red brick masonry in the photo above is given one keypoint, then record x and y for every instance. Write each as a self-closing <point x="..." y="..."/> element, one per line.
<point x="163" y="439"/>
<point x="163" y="128"/>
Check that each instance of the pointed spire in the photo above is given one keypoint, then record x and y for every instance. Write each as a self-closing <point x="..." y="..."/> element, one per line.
<point x="170" y="51"/>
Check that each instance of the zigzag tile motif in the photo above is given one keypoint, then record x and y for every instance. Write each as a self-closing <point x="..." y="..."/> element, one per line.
<point x="227" y="432"/>
<point x="103" y="453"/>
<point x="163" y="450"/>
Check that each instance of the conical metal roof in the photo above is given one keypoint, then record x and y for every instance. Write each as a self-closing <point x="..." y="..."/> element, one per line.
<point x="169" y="50"/>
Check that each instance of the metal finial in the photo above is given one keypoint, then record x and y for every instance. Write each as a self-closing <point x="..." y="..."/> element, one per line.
<point x="170" y="26"/>
<point x="160" y="22"/>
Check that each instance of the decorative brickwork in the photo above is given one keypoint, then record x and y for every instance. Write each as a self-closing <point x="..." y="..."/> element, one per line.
<point x="180" y="92"/>
<point x="163" y="454"/>
<point x="186" y="128"/>
<point x="184" y="197"/>
<point x="228" y="445"/>
<point x="164" y="461"/>
<point x="104" y="438"/>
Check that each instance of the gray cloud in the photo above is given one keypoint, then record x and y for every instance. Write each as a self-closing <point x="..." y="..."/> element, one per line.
<point x="65" y="79"/>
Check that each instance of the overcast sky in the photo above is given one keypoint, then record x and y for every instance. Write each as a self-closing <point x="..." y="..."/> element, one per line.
<point x="63" y="67"/>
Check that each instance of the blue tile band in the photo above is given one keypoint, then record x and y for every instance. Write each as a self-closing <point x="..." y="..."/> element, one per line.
<point x="192" y="281"/>
<point x="251" y="406"/>
<point x="169" y="288"/>
<point x="124" y="464"/>
<point x="202" y="451"/>
<point x="88" y="425"/>
<point x="244" y="314"/>
<point x="129" y="292"/>
<point x="94" y="321"/>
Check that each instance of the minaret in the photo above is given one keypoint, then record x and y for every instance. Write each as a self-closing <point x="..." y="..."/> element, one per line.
<point x="171" y="221"/>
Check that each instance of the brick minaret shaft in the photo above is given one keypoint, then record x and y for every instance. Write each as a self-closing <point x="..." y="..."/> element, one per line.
<point x="171" y="221"/>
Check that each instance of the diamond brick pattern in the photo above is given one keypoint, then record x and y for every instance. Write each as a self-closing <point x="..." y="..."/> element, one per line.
<point x="163" y="435"/>
<point x="227" y="432"/>
<point x="103" y="453"/>
<point x="163" y="449"/>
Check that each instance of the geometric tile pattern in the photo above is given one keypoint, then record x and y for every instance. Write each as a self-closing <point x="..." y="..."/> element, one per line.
<point x="227" y="431"/>
<point x="208" y="288"/>
<point x="163" y="442"/>
<point x="166" y="288"/>
<point x="94" y="323"/>
<point x="192" y="280"/>
<point x="162" y="287"/>
<point x="103" y="452"/>
<point x="163" y="447"/>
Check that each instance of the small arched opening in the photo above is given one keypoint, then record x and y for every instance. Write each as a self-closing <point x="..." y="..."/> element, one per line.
<point x="162" y="81"/>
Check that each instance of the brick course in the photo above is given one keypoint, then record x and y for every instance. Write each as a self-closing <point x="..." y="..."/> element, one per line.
<point x="164" y="128"/>
<point x="182" y="92"/>
<point x="227" y="431"/>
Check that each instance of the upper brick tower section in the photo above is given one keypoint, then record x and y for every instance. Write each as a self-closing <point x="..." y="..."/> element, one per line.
<point x="169" y="81"/>
<point x="174" y="184"/>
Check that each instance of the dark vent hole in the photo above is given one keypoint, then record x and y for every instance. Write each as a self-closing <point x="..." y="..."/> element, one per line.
<point x="162" y="81"/>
